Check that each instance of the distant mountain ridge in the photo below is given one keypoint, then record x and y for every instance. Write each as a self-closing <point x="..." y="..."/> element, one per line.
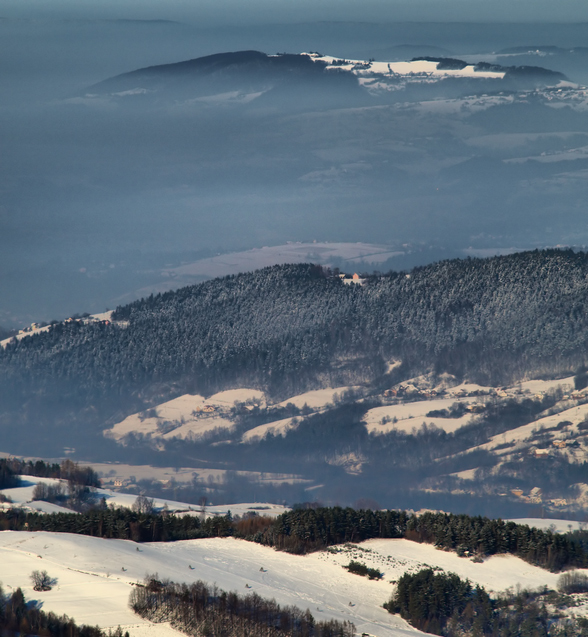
<point x="249" y="72"/>
<point x="309" y="79"/>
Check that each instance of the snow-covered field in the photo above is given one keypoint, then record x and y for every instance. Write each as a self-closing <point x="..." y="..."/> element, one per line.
<point x="352" y="255"/>
<point x="413" y="415"/>
<point x="413" y="69"/>
<point x="193" y="415"/>
<point x="316" y="399"/>
<point x="294" y="252"/>
<point x="95" y="576"/>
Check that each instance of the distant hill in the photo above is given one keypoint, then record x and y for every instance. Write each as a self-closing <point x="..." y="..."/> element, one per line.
<point x="234" y="76"/>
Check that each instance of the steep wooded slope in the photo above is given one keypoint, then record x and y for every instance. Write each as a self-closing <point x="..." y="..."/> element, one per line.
<point x="287" y="328"/>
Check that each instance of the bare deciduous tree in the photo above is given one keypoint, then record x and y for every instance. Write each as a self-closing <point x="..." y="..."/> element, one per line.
<point x="41" y="581"/>
<point x="143" y="504"/>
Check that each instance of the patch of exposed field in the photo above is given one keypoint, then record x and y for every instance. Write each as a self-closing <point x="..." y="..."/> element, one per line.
<point x="469" y="389"/>
<point x="109" y="472"/>
<point x="229" y="397"/>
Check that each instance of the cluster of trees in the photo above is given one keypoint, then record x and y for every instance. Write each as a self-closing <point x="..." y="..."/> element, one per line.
<point x="290" y="328"/>
<point x="124" y="524"/>
<point x="67" y="470"/>
<point x="81" y="481"/>
<point x="42" y="581"/>
<point x="9" y="478"/>
<point x="19" y="617"/>
<point x="429" y="600"/>
<point x="482" y="536"/>
<point x="573" y="582"/>
<point x="359" y="568"/>
<point x="203" y="611"/>
<point x="444" y="604"/>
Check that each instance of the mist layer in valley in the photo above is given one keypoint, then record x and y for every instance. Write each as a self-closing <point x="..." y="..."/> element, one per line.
<point x="111" y="187"/>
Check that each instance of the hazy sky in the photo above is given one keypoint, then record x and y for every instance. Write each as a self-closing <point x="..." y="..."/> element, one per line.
<point x="248" y="11"/>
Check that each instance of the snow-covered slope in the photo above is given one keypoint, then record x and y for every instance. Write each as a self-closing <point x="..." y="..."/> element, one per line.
<point x="95" y="576"/>
<point x="185" y="416"/>
<point x="191" y="416"/>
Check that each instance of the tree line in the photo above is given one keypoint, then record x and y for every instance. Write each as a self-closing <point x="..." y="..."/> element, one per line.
<point x="305" y="530"/>
<point x="204" y="611"/>
<point x="119" y="523"/>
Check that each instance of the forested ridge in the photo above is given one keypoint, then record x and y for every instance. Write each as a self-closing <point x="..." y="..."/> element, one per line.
<point x="291" y="328"/>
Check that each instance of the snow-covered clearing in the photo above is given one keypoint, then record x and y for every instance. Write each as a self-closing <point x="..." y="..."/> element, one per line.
<point x="95" y="576"/>
<point x="110" y="470"/>
<point x="501" y="141"/>
<point x="468" y="388"/>
<point x="19" y="337"/>
<point x="413" y="415"/>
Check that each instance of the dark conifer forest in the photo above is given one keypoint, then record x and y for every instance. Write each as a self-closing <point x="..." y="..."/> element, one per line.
<point x="305" y="530"/>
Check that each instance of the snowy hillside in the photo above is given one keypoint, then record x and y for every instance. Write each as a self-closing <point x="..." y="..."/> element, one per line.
<point x="95" y="576"/>
<point x="191" y="416"/>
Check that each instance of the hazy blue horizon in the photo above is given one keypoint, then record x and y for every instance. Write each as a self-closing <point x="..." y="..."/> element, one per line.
<point x="233" y="13"/>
